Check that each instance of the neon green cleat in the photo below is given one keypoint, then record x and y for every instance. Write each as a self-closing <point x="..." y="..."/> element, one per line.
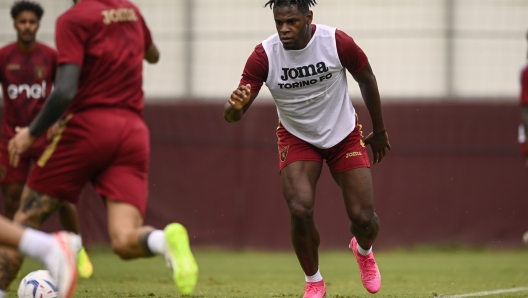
<point x="84" y="266"/>
<point x="180" y="258"/>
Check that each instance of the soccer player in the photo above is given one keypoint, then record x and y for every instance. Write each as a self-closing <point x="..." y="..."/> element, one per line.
<point x="56" y="252"/>
<point x="304" y="66"/>
<point x="27" y="71"/>
<point x="523" y="127"/>
<point x="102" y="138"/>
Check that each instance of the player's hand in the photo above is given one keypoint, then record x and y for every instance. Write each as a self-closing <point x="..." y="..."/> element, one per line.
<point x="18" y="144"/>
<point x="240" y="97"/>
<point x="52" y="130"/>
<point x="379" y="143"/>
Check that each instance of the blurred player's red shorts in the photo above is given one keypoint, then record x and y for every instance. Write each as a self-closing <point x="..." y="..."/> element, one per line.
<point x="9" y="174"/>
<point x="107" y="146"/>
<point x="524" y="150"/>
<point x="349" y="154"/>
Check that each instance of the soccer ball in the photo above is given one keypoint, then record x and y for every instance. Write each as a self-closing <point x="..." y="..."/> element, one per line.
<point x="37" y="284"/>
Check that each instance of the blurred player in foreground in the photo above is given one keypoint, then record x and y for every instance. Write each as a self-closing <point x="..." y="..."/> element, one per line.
<point x="102" y="137"/>
<point x="304" y="66"/>
<point x="27" y="72"/>
<point x="523" y="127"/>
<point x="56" y="252"/>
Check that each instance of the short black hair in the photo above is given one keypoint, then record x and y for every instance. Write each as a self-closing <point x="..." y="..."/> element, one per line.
<point x="302" y="5"/>
<point x="23" y="5"/>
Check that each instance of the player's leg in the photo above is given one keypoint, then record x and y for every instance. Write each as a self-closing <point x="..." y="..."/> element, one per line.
<point x="356" y="186"/>
<point x="301" y="164"/>
<point x="70" y="222"/>
<point x="57" y="255"/>
<point x="298" y="181"/>
<point x="131" y="239"/>
<point x="12" y="180"/>
<point x="11" y="193"/>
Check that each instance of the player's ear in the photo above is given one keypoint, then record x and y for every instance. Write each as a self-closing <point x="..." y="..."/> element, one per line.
<point x="309" y="17"/>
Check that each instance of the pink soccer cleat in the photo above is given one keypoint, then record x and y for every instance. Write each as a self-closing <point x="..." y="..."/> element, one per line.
<point x="370" y="275"/>
<point x="315" y="289"/>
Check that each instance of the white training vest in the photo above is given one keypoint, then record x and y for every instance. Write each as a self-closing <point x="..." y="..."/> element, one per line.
<point x="310" y="89"/>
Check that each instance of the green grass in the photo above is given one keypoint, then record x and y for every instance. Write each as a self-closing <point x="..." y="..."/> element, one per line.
<point x="415" y="273"/>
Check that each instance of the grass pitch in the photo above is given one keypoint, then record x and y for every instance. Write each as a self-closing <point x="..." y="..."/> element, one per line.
<point x="415" y="273"/>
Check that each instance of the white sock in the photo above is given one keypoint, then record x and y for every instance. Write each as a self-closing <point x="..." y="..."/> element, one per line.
<point x="35" y="244"/>
<point x="156" y="242"/>
<point x="314" y="278"/>
<point x="2" y="294"/>
<point x="364" y="252"/>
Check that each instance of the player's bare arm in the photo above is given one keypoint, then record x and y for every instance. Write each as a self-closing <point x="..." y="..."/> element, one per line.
<point x="378" y="139"/>
<point x="240" y="100"/>
<point x="524" y="120"/>
<point x="63" y="94"/>
<point x="152" y="55"/>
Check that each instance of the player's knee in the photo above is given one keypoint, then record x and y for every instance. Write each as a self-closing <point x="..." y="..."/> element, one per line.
<point x="121" y="248"/>
<point x="364" y="218"/>
<point x="123" y="245"/>
<point x="300" y="212"/>
<point x="27" y="220"/>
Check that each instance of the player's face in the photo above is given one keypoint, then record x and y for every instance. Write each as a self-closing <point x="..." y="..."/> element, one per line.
<point x="26" y="25"/>
<point x="292" y="26"/>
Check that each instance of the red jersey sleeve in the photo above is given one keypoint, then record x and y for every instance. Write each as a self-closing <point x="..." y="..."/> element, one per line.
<point x="70" y="38"/>
<point x="350" y="54"/>
<point x="256" y="69"/>
<point x="147" y="34"/>
<point x="524" y="86"/>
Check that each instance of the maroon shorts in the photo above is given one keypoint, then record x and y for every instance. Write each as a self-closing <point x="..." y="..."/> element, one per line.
<point x="9" y="174"/>
<point x="349" y="154"/>
<point x="523" y="150"/>
<point x="107" y="146"/>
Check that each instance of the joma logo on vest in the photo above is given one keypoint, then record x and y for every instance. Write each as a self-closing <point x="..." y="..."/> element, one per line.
<point x="304" y="71"/>
<point x="33" y="91"/>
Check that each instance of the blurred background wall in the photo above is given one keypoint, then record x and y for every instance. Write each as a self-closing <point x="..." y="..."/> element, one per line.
<point x="423" y="50"/>
<point x="448" y="73"/>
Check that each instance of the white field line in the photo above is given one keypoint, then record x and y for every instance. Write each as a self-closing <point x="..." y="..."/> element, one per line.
<point x="487" y="293"/>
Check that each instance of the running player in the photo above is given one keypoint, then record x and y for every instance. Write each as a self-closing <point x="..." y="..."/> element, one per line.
<point x="102" y="138"/>
<point x="56" y="252"/>
<point x="523" y="127"/>
<point x="27" y="71"/>
<point x="304" y="66"/>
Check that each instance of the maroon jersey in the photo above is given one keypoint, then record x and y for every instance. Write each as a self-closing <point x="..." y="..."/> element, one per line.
<point x="27" y="79"/>
<point x="108" y="40"/>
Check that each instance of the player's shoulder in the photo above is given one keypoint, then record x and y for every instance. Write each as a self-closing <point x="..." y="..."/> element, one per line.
<point x="47" y="49"/>
<point x="8" y="48"/>
<point x="82" y="13"/>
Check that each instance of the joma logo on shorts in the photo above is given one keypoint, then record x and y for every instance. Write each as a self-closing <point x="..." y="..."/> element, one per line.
<point x="33" y="91"/>
<point x="351" y="154"/>
<point x="304" y="71"/>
